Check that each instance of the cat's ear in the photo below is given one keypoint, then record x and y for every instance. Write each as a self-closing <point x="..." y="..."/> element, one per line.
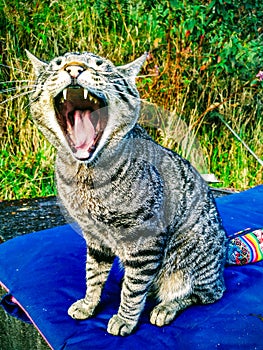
<point x="131" y="70"/>
<point x="38" y="65"/>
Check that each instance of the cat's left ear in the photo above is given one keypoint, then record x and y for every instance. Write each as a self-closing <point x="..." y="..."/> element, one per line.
<point x="37" y="64"/>
<point x="131" y="70"/>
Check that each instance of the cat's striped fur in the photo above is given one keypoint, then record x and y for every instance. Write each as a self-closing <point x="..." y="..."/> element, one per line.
<point x="131" y="197"/>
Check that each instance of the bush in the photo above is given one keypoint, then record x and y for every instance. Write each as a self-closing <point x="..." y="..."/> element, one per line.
<point x="206" y="53"/>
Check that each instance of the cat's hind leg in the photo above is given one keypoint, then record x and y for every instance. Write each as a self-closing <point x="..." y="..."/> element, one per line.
<point x="173" y="292"/>
<point x="179" y="290"/>
<point x="98" y="266"/>
<point x="165" y="312"/>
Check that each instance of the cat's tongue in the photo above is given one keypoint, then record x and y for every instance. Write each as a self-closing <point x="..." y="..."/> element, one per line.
<point x="82" y="132"/>
<point x="83" y="129"/>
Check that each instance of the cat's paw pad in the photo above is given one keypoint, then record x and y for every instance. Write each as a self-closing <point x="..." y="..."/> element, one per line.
<point x="118" y="326"/>
<point x="81" y="310"/>
<point x="163" y="314"/>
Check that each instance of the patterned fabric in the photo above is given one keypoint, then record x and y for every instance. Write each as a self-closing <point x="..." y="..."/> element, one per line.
<point x="245" y="247"/>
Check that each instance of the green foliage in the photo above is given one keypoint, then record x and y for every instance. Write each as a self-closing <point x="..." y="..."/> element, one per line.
<point x="25" y="176"/>
<point x="207" y="52"/>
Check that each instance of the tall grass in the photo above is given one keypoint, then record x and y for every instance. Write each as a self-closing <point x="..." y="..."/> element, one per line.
<point x="197" y="79"/>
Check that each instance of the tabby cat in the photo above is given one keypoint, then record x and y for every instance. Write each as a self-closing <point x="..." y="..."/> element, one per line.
<point x="131" y="197"/>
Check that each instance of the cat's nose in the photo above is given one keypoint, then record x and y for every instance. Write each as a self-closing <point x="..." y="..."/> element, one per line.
<point x="74" y="71"/>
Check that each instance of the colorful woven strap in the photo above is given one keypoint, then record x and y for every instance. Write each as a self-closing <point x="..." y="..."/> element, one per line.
<point x="245" y="247"/>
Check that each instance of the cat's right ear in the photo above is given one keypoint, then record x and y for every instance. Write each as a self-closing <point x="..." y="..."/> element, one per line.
<point x="38" y="65"/>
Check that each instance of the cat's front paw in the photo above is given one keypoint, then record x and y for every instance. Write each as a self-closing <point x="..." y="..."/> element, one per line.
<point x="81" y="310"/>
<point x="118" y="326"/>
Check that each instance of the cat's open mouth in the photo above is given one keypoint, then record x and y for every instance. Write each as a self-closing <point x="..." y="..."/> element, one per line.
<point x="82" y="116"/>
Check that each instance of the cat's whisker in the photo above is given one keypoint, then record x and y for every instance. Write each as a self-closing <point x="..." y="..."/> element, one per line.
<point x="118" y="79"/>
<point x="126" y="94"/>
<point x="17" y="69"/>
<point x="17" y="96"/>
<point x="111" y="93"/>
<point x="109" y="73"/>
<point x="132" y="97"/>
<point x="18" y="88"/>
<point x="16" y="82"/>
<point x="138" y="76"/>
<point x="29" y="104"/>
<point x="115" y="96"/>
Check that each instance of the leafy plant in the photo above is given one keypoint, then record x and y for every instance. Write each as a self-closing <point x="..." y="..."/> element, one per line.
<point x="204" y="58"/>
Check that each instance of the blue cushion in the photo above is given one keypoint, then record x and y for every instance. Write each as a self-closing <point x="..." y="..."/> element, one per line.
<point x="44" y="273"/>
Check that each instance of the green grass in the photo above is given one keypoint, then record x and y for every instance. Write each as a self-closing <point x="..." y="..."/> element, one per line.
<point x="207" y="62"/>
<point x="230" y="161"/>
<point x="26" y="176"/>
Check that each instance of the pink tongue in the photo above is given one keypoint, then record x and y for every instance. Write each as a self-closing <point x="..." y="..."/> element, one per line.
<point x="83" y="129"/>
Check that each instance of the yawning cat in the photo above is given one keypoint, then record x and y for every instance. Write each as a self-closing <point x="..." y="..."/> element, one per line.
<point x="131" y="197"/>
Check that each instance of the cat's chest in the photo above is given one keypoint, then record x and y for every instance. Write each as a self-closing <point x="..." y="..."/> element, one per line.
<point x="117" y="201"/>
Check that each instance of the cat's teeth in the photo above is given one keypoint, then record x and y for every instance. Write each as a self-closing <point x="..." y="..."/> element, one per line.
<point x="65" y="94"/>
<point x="93" y="99"/>
<point x="85" y="94"/>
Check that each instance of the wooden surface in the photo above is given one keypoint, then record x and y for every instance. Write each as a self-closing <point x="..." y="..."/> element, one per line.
<point x="18" y="335"/>
<point x="18" y="218"/>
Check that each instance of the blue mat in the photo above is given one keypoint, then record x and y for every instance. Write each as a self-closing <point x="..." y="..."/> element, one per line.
<point x="44" y="273"/>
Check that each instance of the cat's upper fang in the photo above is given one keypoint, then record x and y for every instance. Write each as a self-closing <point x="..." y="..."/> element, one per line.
<point x="85" y="95"/>
<point x="65" y="94"/>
